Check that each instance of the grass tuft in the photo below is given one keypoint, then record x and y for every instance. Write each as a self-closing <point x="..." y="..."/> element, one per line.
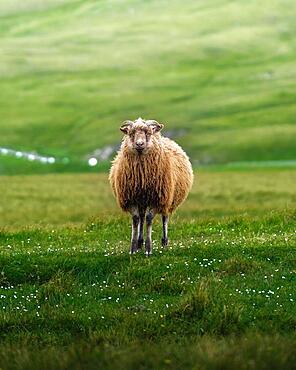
<point x="239" y="265"/>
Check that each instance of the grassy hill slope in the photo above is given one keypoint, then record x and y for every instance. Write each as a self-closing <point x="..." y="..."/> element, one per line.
<point x="71" y="71"/>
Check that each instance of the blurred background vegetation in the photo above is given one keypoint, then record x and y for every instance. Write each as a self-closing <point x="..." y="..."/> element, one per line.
<point x="220" y="74"/>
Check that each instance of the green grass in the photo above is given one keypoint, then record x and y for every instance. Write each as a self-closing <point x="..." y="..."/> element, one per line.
<point x="221" y="296"/>
<point x="71" y="71"/>
<point x="56" y="199"/>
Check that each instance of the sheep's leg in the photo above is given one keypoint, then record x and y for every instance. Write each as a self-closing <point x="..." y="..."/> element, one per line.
<point x="165" y="222"/>
<point x="148" y="242"/>
<point x="135" y="230"/>
<point x="141" y="230"/>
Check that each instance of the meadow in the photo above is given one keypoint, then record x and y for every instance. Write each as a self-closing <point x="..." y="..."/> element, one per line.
<point x="221" y="296"/>
<point x="219" y="72"/>
<point x="221" y="75"/>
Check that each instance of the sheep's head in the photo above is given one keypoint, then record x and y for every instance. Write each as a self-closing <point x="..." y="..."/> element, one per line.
<point x="139" y="134"/>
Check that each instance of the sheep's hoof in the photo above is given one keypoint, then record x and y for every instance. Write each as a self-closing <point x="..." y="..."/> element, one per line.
<point x="164" y="242"/>
<point x="140" y="244"/>
<point x="134" y="247"/>
<point x="148" y="247"/>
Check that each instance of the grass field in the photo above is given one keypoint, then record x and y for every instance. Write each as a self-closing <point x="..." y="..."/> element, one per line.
<point x="221" y="296"/>
<point x="222" y="71"/>
<point x="56" y="199"/>
<point x="221" y="75"/>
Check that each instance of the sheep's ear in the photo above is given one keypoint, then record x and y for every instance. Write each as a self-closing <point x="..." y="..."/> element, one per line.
<point x="125" y="126"/>
<point x="156" y="126"/>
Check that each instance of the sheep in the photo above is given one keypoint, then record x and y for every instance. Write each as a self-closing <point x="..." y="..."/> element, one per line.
<point x="150" y="175"/>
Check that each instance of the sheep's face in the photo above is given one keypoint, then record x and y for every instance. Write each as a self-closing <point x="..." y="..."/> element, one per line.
<point x="139" y="134"/>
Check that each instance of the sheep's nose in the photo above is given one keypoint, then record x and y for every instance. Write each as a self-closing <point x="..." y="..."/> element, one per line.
<point x="140" y="143"/>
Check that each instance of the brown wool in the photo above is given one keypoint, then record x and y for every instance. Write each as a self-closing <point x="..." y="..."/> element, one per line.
<point x="159" y="179"/>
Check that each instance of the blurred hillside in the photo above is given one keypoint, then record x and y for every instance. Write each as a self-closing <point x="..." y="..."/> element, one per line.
<point x="221" y="73"/>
